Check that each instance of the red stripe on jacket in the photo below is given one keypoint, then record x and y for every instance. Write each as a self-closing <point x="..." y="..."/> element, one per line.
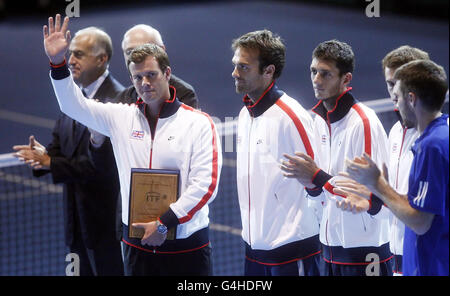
<point x="298" y="124"/>
<point x="367" y="133"/>
<point x="213" y="184"/>
<point x="330" y="188"/>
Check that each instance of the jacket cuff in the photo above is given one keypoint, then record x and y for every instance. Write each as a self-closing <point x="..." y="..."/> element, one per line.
<point x="375" y="205"/>
<point x="40" y="172"/>
<point x="316" y="191"/>
<point x="169" y="219"/>
<point x="59" y="71"/>
<point x="320" y="178"/>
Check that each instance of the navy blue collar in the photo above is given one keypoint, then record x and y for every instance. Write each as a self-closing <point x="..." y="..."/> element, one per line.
<point x="267" y="99"/>
<point x="169" y="108"/>
<point x="344" y="103"/>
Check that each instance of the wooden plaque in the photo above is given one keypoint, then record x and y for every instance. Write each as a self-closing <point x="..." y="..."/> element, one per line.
<point x="151" y="193"/>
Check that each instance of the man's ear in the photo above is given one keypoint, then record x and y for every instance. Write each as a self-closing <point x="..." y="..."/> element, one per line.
<point x="347" y="78"/>
<point x="168" y="73"/>
<point x="102" y="59"/>
<point x="269" y="70"/>
<point x="412" y="99"/>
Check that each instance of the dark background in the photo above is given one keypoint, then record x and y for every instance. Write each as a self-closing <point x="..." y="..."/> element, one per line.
<point x="197" y="35"/>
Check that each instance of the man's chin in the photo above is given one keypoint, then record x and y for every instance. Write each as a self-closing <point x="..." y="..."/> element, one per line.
<point x="147" y="99"/>
<point x="319" y="97"/>
<point x="240" y="90"/>
<point x="76" y="78"/>
<point x="325" y="97"/>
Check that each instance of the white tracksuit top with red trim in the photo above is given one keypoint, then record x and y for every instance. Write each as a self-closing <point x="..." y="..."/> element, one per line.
<point x="349" y="130"/>
<point x="274" y="209"/>
<point x="186" y="141"/>
<point x="401" y="140"/>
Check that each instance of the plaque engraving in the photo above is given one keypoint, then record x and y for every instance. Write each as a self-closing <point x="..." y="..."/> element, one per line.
<point x="151" y="193"/>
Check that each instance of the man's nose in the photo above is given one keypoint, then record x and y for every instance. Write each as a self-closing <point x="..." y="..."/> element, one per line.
<point x="72" y="59"/>
<point x="316" y="78"/>
<point x="235" y="73"/>
<point x="146" y="81"/>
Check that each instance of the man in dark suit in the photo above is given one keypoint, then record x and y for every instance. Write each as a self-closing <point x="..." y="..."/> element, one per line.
<point x="140" y="35"/>
<point x="91" y="185"/>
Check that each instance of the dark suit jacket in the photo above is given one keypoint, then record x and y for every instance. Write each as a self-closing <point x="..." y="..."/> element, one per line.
<point x="185" y="93"/>
<point x="90" y="189"/>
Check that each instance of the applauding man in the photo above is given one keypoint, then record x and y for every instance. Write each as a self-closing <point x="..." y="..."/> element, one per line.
<point x="280" y="229"/>
<point x="420" y="89"/>
<point x="90" y="187"/>
<point x="344" y="128"/>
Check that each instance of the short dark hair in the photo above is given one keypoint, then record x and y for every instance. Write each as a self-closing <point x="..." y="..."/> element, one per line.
<point x="402" y="55"/>
<point x="140" y="53"/>
<point x="339" y="52"/>
<point x="426" y="80"/>
<point x="270" y="47"/>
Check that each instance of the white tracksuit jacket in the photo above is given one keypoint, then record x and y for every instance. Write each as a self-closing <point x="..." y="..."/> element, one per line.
<point x="185" y="140"/>
<point x="274" y="209"/>
<point x="401" y="139"/>
<point x="347" y="132"/>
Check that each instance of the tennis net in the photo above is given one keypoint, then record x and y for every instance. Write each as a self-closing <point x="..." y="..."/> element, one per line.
<point x="31" y="213"/>
<point x="31" y="222"/>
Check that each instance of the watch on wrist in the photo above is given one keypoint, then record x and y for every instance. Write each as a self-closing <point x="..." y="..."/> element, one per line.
<point x="161" y="228"/>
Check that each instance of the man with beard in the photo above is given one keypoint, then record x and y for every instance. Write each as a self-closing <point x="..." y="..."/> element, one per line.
<point x="279" y="228"/>
<point x="344" y="128"/>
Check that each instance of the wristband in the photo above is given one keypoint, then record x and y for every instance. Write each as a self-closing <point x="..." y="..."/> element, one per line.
<point x="58" y="65"/>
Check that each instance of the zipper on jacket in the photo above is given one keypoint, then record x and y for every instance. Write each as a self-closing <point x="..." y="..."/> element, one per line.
<point x="329" y="136"/>
<point x="328" y="170"/>
<point x="328" y="244"/>
<point x="151" y="153"/>
<point x="152" y="134"/>
<point x="399" y="156"/>
<point x="153" y="140"/>
<point x="405" y="129"/>
<point x="248" y="181"/>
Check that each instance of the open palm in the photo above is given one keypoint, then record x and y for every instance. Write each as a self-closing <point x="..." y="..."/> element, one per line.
<point x="56" y="39"/>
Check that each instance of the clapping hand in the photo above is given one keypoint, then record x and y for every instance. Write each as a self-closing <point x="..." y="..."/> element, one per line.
<point x="299" y="166"/>
<point x="357" y="196"/>
<point x="364" y="171"/>
<point x="33" y="154"/>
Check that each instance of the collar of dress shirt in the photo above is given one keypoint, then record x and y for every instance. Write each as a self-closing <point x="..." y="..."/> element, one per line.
<point x="92" y="88"/>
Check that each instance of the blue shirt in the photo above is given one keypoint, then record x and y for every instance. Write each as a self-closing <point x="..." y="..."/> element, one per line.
<point x="427" y="254"/>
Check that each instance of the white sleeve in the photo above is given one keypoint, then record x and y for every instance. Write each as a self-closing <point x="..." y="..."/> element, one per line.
<point x="98" y="116"/>
<point x="204" y="172"/>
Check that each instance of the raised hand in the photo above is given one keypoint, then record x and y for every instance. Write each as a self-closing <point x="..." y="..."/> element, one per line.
<point x="56" y="39"/>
